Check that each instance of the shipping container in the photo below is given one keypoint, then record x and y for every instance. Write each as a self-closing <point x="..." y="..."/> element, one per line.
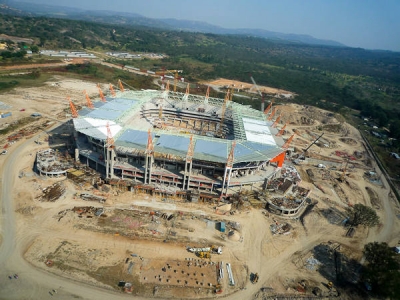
<point x="222" y="226"/>
<point x="5" y="115"/>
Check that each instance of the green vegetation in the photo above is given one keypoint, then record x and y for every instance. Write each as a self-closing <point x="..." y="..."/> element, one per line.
<point x="23" y="79"/>
<point x="16" y="125"/>
<point x="382" y="270"/>
<point x="360" y="214"/>
<point x="348" y="81"/>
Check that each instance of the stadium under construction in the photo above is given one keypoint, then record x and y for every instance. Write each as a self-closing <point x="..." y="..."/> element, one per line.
<point x="178" y="143"/>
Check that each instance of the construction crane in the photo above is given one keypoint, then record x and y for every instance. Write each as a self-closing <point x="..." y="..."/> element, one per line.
<point x="74" y="113"/>
<point x="121" y="87"/>
<point x="221" y="123"/>
<point x="259" y="92"/>
<point x="112" y="90"/>
<point x="207" y="95"/>
<point x="175" y="72"/>
<point x="102" y="98"/>
<point x="165" y="96"/>
<point x="316" y="140"/>
<point x="88" y="101"/>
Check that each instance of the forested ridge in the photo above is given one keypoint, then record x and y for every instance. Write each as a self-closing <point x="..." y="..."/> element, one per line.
<point x="328" y="77"/>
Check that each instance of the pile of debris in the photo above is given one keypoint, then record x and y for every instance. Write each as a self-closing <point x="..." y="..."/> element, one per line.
<point x="53" y="192"/>
<point x="280" y="228"/>
<point x="48" y="161"/>
<point x="291" y="173"/>
<point x="312" y="263"/>
<point x="88" y="211"/>
<point x="90" y="197"/>
<point x="288" y="203"/>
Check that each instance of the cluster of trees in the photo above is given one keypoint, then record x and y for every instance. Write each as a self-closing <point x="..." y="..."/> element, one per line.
<point x="360" y="214"/>
<point x="382" y="270"/>
<point x="368" y="81"/>
<point x="10" y="54"/>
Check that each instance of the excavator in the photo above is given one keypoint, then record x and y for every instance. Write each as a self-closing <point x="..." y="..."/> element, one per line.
<point x="204" y="254"/>
<point x="254" y="278"/>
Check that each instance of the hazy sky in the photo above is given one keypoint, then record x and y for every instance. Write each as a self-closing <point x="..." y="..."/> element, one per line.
<point x="370" y="24"/>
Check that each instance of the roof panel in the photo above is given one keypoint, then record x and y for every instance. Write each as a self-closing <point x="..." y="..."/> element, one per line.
<point x="179" y="143"/>
<point x="258" y="131"/>
<point x="104" y="114"/>
<point x="96" y="128"/>
<point x="134" y="137"/>
<point x="241" y="151"/>
<point x="211" y="150"/>
<point x="118" y="106"/>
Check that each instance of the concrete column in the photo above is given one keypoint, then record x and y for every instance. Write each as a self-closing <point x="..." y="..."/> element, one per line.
<point x="190" y="173"/>
<point x="184" y="176"/>
<point x="229" y="179"/>
<point x="224" y="179"/>
<point x="76" y="154"/>
<point x="145" y="169"/>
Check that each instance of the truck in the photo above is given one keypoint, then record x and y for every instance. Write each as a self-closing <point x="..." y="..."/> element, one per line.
<point x="254" y="278"/>
<point x="216" y="249"/>
<point x="194" y="250"/>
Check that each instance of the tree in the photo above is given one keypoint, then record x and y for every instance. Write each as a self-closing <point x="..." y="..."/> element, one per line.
<point x="382" y="270"/>
<point x="34" y="48"/>
<point x="395" y="129"/>
<point x="360" y="214"/>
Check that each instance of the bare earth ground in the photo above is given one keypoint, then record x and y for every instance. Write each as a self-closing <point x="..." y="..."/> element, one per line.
<point x="222" y="82"/>
<point x="97" y="250"/>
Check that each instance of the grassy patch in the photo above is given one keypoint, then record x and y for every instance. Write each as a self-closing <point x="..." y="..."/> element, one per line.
<point x="34" y="78"/>
<point x="18" y="124"/>
<point x="111" y="275"/>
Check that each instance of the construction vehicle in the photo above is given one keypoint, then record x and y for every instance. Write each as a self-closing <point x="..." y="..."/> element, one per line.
<point x="218" y="289"/>
<point x="216" y="249"/>
<point x="254" y="278"/>
<point x="204" y="254"/>
<point x="175" y="72"/>
<point x="194" y="250"/>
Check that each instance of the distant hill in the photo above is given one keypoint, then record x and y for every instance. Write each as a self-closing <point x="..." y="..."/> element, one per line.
<point x="204" y="27"/>
<point x="124" y="18"/>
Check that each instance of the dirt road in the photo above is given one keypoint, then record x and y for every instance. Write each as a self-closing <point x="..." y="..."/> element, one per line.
<point x="33" y="66"/>
<point x="32" y="283"/>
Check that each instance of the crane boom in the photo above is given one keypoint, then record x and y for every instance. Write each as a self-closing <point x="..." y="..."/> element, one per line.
<point x="221" y="123"/>
<point x="259" y="92"/>
<point x="314" y="142"/>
